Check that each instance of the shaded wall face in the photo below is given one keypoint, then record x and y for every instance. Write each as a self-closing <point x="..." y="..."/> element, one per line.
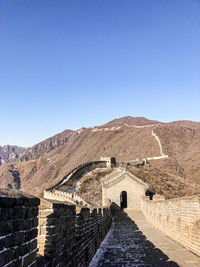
<point x="68" y="237"/>
<point x="135" y="191"/>
<point x="18" y="228"/>
<point x="63" y="237"/>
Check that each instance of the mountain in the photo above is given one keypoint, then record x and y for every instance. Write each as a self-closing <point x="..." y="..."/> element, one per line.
<point x="46" y="146"/>
<point x="126" y="139"/>
<point x="10" y="153"/>
<point x="134" y="121"/>
<point x="185" y="123"/>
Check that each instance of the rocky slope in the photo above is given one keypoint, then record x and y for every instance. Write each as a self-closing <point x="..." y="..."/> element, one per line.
<point x="120" y="139"/>
<point x="46" y="146"/>
<point x="10" y="153"/>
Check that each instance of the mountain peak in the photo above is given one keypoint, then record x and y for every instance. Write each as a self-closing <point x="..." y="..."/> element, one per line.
<point x="129" y="120"/>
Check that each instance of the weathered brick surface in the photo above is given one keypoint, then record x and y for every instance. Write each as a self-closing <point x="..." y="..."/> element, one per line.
<point x="178" y="218"/>
<point x="18" y="228"/>
<point x="60" y="233"/>
<point x="70" y="236"/>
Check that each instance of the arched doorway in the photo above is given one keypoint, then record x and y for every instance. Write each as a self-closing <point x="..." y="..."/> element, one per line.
<point x="123" y="200"/>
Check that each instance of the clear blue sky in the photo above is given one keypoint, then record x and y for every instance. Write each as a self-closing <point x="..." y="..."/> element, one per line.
<point x="73" y="63"/>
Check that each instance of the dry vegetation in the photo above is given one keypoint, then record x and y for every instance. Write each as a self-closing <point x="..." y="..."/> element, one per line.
<point x="165" y="183"/>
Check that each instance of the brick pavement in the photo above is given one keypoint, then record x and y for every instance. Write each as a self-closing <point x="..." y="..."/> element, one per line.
<point x="127" y="246"/>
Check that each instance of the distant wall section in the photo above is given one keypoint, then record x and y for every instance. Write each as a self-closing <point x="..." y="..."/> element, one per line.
<point x="77" y="172"/>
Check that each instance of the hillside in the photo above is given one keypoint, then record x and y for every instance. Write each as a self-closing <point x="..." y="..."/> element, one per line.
<point x="124" y="141"/>
<point x="46" y="146"/>
<point x="185" y="123"/>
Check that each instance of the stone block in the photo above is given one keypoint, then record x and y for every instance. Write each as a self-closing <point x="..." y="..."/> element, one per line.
<point x="6" y="257"/>
<point x="22" y="224"/>
<point x="15" y="239"/>
<point x="11" y="214"/>
<point x="34" y="222"/>
<point x="20" y="212"/>
<point x="29" y="235"/>
<point x="6" y="227"/>
<point x="41" y="239"/>
<point x="61" y="220"/>
<point x="18" y="263"/>
<point x="31" y="212"/>
<point x="29" y="259"/>
<point x="4" y="213"/>
<point x="33" y="245"/>
<point x="2" y="243"/>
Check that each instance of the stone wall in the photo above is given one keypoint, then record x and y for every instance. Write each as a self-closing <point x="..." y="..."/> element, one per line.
<point x="18" y="228"/>
<point x="91" y="226"/>
<point x="56" y="233"/>
<point x="178" y="218"/>
<point x="64" y="196"/>
<point x="68" y="236"/>
<point x="79" y="171"/>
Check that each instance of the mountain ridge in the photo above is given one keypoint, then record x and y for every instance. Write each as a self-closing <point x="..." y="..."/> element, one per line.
<point x="126" y="143"/>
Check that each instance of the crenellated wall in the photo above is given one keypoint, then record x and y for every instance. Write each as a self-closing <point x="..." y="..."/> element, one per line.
<point x="38" y="232"/>
<point x="18" y="228"/>
<point x="64" y="196"/>
<point x="77" y="172"/>
<point x="178" y="218"/>
<point x="70" y="235"/>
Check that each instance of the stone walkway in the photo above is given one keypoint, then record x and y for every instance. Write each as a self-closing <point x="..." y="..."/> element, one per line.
<point x="132" y="242"/>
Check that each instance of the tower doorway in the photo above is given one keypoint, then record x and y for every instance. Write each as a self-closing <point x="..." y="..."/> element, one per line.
<point x="123" y="200"/>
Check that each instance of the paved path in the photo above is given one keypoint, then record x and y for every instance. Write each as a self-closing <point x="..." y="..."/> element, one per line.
<point x="129" y="246"/>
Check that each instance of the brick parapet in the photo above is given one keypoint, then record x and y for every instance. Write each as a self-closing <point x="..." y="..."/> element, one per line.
<point x="179" y="218"/>
<point x="18" y="228"/>
<point x="68" y="235"/>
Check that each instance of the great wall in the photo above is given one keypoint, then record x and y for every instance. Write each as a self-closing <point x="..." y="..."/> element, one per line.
<point x="62" y="229"/>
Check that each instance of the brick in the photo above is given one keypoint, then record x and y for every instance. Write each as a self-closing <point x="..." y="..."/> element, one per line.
<point x="18" y="263"/>
<point x="15" y="239"/>
<point x="29" y="259"/>
<point x="6" y="257"/>
<point x="41" y="239"/>
<point x="4" y="213"/>
<point x="33" y="245"/>
<point x="31" y="212"/>
<point x="29" y="235"/>
<point x="20" y="212"/>
<point x="2" y="243"/>
<point x="34" y="222"/>
<point x="6" y="227"/>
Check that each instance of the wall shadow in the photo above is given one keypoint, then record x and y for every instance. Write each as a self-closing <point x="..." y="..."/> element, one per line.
<point x="132" y="247"/>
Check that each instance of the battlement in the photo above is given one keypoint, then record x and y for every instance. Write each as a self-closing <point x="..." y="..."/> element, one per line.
<point x="110" y="161"/>
<point x="38" y="232"/>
